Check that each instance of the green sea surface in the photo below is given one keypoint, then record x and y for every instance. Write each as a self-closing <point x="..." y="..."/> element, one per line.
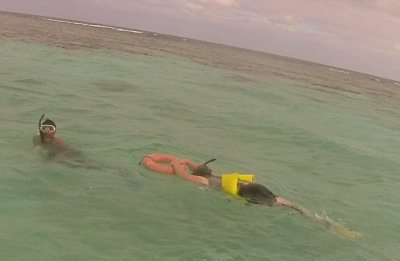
<point x="333" y="152"/>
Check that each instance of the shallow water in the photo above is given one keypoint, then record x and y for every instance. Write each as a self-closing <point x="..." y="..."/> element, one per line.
<point x="333" y="152"/>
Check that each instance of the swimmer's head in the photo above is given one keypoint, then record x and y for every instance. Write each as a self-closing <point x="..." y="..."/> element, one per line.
<point x="47" y="128"/>
<point x="49" y="122"/>
<point x="202" y="170"/>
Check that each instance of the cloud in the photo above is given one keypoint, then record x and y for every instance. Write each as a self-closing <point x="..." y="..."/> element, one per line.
<point x="346" y="22"/>
<point x="388" y="7"/>
<point x="223" y="3"/>
<point x="396" y="47"/>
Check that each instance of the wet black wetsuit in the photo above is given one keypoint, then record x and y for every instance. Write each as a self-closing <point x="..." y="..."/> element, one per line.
<point x="252" y="192"/>
<point x="257" y="193"/>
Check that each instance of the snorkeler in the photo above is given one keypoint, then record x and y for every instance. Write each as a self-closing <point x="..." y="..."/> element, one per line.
<point x="46" y="137"/>
<point x="59" y="151"/>
<point x="56" y="148"/>
<point x="252" y="192"/>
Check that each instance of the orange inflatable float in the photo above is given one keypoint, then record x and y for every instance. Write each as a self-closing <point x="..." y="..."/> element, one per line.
<point x="153" y="162"/>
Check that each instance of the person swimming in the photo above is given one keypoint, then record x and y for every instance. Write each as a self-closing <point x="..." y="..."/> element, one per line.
<point x="59" y="151"/>
<point x="46" y="138"/>
<point x="251" y="191"/>
<point x="56" y="148"/>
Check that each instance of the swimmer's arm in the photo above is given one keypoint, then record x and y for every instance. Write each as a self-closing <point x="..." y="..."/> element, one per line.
<point x="180" y="170"/>
<point x="282" y="202"/>
<point x="191" y="164"/>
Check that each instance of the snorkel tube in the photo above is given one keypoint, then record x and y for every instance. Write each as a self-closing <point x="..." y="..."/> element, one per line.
<point x="203" y="170"/>
<point x="209" y="161"/>
<point x="40" y="124"/>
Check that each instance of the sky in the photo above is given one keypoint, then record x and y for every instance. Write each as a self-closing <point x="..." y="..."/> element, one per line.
<point x="358" y="35"/>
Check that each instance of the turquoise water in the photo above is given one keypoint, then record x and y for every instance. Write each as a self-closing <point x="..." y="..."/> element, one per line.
<point x="333" y="152"/>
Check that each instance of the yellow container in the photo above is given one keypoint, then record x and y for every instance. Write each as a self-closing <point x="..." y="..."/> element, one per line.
<point x="230" y="181"/>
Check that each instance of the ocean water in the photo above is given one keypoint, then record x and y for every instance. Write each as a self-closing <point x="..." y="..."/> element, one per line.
<point x="333" y="152"/>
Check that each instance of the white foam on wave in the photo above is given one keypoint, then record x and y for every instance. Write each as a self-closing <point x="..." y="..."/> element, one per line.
<point x="93" y="25"/>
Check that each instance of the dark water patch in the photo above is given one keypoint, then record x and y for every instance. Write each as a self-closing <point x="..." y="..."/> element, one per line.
<point x="389" y="112"/>
<point x="68" y="96"/>
<point x="29" y="81"/>
<point x="116" y="86"/>
<point x="324" y="89"/>
<point x="339" y="88"/>
<point x="241" y="78"/>
<point x="66" y="60"/>
<point x="21" y="89"/>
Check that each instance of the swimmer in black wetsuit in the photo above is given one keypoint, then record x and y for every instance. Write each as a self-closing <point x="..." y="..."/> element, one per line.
<point x="252" y="192"/>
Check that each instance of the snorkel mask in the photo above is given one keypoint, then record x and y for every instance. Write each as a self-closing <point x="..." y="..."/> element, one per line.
<point x="46" y="127"/>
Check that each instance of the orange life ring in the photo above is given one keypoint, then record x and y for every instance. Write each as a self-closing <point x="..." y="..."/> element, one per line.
<point x="153" y="162"/>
